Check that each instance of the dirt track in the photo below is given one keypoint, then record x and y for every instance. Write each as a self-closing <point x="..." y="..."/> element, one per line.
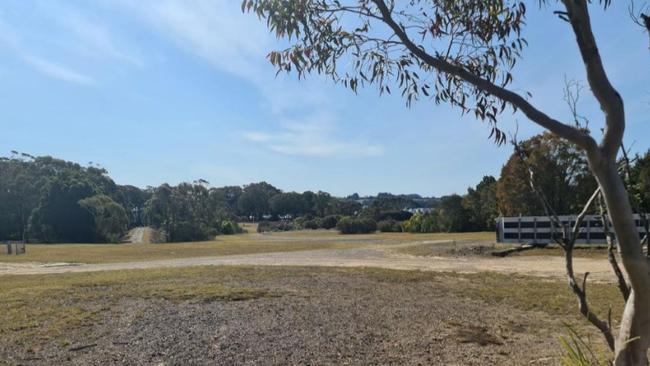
<point x="141" y="235"/>
<point x="380" y="257"/>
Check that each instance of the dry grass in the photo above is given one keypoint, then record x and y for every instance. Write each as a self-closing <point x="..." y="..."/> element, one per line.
<point x="582" y="251"/>
<point x="523" y="292"/>
<point x="113" y="253"/>
<point x="44" y="307"/>
<point x="37" y="308"/>
<point x="452" y="247"/>
<point x="223" y="245"/>
<point x="482" y="246"/>
<point x="249" y="227"/>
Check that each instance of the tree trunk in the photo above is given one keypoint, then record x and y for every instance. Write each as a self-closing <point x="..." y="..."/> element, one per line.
<point x="634" y="333"/>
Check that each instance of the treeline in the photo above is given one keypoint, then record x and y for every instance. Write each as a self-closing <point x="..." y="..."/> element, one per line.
<point x="475" y="211"/>
<point x="51" y="200"/>
<point x="560" y="171"/>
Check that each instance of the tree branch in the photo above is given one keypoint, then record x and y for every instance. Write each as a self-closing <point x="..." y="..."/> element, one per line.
<point x="570" y="133"/>
<point x="623" y="287"/>
<point x="581" y="216"/>
<point x="568" y="243"/>
<point x="609" y="99"/>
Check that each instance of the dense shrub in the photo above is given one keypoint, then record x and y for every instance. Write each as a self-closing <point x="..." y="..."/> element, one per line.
<point x="311" y="224"/>
<point x="351" y="225"/>
<point x="422" y="223"/>
<point x="189" y="231"/>
<point x="393" y="216"/>
<point x="299" y="222"/>
<point x="389" y="226"/>
<point x="268" y="226"/>
<point x="329" y="222"/>
<point x="229" y="227"/>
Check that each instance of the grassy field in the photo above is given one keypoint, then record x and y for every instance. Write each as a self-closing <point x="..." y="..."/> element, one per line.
<point x="43" y="308"/>
<point x="223" y="245"/>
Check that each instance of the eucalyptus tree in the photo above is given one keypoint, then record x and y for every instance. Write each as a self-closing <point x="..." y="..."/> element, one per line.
<point x="480" y="204"/>
<point x="462" y="52"/>
<point x="564" y="177"/>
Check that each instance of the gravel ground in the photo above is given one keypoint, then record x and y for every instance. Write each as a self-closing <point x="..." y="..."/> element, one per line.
<point x="320" y="317"/>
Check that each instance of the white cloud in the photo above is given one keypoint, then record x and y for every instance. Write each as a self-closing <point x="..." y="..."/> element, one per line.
<point x="59" y="72"/>
<point x="85" y="39"/>
<point x="257" y="136"/>
<point x="315" y="137"/>
<point x="97" y="39"/>
<point x="236" y="43"/>
<point x="232" y="42"/>
<point x="216" y="31"/>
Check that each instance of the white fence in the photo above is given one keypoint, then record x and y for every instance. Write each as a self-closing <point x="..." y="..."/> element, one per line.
<point x="541" y="230"/>
<point x="13" y="247"/>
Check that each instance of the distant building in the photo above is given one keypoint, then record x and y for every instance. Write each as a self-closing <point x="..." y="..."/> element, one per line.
<point x="420" y="210"/>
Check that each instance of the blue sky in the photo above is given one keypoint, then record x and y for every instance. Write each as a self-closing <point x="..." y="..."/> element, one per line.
<point x="177" y="90"/>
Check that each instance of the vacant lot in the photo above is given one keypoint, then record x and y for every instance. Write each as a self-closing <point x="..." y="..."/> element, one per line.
<point x="223" y="245"/>
<point x="293" y="302"/>
<point x="278" y="315"/>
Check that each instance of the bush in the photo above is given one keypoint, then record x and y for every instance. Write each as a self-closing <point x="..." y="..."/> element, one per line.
<point x="189" y="231"/>
<point x="299" y="222"/>
<point x="422" y="223"/>
<point x="389" y="226"/>
<point x="329" y="222"/>
<point x="268" y="226"/>
<point x="229" y="228"/>
<point x="311" y="224"/>
<point x="393" y="216"/>
<point x="351" y="225"/>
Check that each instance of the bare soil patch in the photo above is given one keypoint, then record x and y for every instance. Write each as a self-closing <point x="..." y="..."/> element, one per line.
<point x="324" y="316"/>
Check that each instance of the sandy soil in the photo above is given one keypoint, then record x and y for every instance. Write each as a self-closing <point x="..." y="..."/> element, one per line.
<point x="141" y="235"/>
<point x="380" y="257"/>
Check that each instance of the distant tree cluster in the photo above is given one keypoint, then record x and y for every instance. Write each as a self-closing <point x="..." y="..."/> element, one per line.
<point x="191" y="211"/>
<point x="564" y="177"/>
<point x="51" y="200"/>
<point x="475" y="211"/>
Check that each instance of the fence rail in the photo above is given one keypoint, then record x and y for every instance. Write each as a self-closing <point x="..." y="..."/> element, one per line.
<point x="541" y="230"/>
<point x="13" y="247"/>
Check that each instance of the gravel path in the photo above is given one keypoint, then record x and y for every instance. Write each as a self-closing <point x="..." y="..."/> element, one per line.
<point x="543" y="266"/>
<point x="323" y="317"/>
